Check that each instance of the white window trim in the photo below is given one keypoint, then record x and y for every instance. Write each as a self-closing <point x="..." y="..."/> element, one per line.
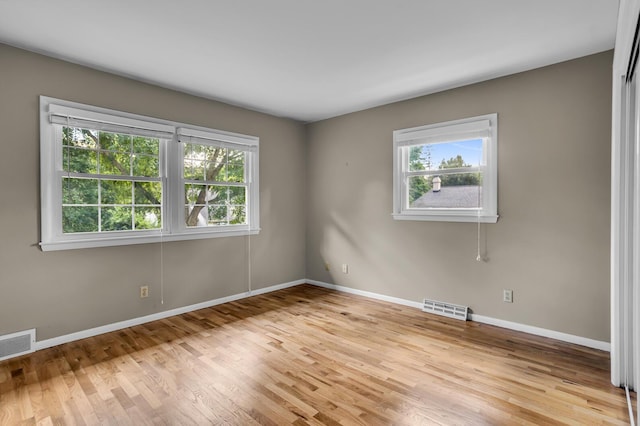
<point x="56" y="112"/>
<point x="482" y="127"/>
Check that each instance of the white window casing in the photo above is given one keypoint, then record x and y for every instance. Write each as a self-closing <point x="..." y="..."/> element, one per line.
<point x="56" y="114"/>
<point x="484" y="128"/>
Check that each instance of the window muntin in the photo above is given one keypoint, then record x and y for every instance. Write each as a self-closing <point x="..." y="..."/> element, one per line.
<point x="110" y="181"/>
<point x="447" y="171"/>
<point x="215" y="185"/>
<point x="446" y="175"/>
<point x="113" y="178"/>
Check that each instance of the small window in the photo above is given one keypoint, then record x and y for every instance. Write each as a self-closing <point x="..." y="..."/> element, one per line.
<point x="447" y="171"/>
<point x="112" y="178"/>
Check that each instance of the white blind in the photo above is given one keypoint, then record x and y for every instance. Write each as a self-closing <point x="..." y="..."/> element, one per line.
<point x="225" y="140"/>
<point x="73" y="117"/>
<point x="448" y="133"/>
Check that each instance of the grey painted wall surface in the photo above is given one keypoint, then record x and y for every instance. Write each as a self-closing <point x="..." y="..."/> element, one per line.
<point x="551" y="243"/>
<point x="67" y="291"/>
<point x="329" y="184"/>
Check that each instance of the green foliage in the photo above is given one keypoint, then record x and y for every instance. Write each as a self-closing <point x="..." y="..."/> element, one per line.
<point x="418" y="185"/>
<point x="458" y="179"/>
<point x="216" y="203"/>
<point x="107" y="203"/>
<point x="79" y="219"/>
<point x="103" y="204"/>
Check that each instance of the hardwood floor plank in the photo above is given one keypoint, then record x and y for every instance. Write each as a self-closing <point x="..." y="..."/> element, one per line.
<point x="311" y="356"/>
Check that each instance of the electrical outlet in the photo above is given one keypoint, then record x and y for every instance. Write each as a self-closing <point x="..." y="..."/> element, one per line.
<point x="507" y="296"/>
<point x="144" y="291"/>
<point x="345" y="268"/>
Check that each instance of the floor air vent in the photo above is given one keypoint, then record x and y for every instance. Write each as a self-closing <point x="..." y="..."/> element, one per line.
<point x="445" y="309"/>
<point x="12" y="345"/>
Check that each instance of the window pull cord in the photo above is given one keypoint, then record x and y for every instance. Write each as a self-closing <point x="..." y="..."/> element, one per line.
<point x="479" y="256"/>
<point x="248" y="213"/>
<point x="161" y="266"/>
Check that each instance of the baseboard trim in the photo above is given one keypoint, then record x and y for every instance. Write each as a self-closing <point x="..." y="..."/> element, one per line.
<point x="43" y="344"/>
<point x="583" y="341"/>
<point x="376" y="296"/>
<point x="537" y="331"/>
<point x="565" y="337"/>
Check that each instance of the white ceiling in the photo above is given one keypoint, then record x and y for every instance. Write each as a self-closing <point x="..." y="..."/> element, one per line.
<point x="310" y="59"/>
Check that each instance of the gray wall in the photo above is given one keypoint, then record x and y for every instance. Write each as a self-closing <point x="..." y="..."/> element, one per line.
<point x="551" y="243"/>
<point x="67" y="291"/>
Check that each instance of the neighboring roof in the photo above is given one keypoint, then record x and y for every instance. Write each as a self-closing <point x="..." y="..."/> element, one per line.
<point x="451" y="196"/>
<point x="310" y="60"/>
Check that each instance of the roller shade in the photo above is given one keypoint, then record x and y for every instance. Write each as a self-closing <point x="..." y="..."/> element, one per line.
<point x="451" y="133"/>
<point x="225" y="140"/>
<point x="73" y="117"/>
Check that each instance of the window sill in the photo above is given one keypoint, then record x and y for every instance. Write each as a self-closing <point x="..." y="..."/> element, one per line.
<point x="444" y="217"/>
<point x="142" y="239"/>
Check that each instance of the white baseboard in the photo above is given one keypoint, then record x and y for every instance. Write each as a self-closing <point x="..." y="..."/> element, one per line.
<point x="570" y="338"/>
<point x="564" y="337"/>
<point x="43" y="344"/>
<point x="376" y="296"/>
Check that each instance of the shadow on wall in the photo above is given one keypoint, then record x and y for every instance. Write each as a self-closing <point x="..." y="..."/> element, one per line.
<point x="364" y="235"/>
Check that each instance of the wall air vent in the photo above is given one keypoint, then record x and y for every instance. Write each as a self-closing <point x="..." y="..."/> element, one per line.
<point x="445" y="309"/>
<point x="15" y="344"/>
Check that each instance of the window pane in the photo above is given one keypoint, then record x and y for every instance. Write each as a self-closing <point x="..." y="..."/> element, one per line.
<point x="142" y="145"/>
<point x="238" y="215"/>
<point x="217" y="172"/>
<point x="115" y="142"/>
<point x="236" y="157"/>
<point x="217" y="194"/>
<point x="148" y="217"/>
<point x="214" y="205"/>
<point x="235" y="173"/>
<point x="196" y="215"/>
<point x="73" y="136"/>
<point x="115" y="164"/>
<point x="237" y="194"/>
<point x="195" y="194"/>
<point x="215" y="154"/>
<point x="439" y="156"/>
<point x="106" y="153"/>
<point x="194" y="151"/>
<point x="116" y="192"/>
<point x="194" y="169"/>
<point x="79" y="219"/>
<point x="418" y="186"/>
<point x="145" y="165"/>
<point x="459" y="190"/>
<point x="148" y="193"/>
<point x="79" y="160"/>
<point x="214" y="171"/>
<point x="79" y="191"/>
<point x="116" y="218"/>
<point x="217" y="215"/>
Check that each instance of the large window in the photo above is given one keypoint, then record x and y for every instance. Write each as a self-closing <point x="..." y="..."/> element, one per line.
<point x="447" y="171"/>
<point x="112" y="178"/>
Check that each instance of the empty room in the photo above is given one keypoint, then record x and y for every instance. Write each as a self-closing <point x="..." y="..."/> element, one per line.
<point x="333" y="212"/>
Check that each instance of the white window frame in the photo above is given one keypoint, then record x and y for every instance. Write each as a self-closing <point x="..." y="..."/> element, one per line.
<point x="56" y="113"/>
<point x="483" y="127"/>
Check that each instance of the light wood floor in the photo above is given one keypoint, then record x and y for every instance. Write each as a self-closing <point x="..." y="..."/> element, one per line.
<point x="307" y="355"/>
